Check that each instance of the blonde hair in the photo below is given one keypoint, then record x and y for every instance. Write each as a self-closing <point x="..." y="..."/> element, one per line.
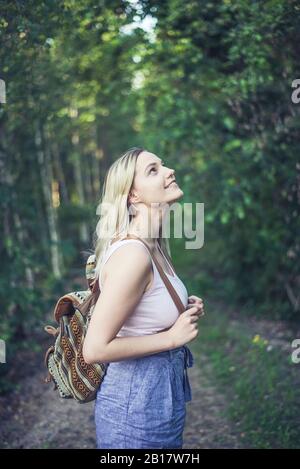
<point x="114" y="222"/>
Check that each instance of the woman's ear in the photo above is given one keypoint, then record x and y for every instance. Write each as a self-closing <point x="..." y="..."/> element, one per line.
<point x="129" y="199"/>
<point x="132" y="198"/>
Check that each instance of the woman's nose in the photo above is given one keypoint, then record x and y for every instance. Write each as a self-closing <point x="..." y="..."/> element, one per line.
<point x="171" y="172"/>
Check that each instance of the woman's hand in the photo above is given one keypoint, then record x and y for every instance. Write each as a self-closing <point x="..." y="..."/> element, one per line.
<point x="196" y="301"/>
<point x="185" y="329"/>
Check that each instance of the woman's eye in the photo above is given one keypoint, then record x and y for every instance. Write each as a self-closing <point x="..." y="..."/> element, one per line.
<point x="154" y="169"/>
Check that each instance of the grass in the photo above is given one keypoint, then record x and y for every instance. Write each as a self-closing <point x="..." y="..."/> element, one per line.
<point x="260" y="382"/>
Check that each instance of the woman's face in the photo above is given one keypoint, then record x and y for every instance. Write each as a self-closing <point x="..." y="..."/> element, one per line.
<point x="153" y="181"/>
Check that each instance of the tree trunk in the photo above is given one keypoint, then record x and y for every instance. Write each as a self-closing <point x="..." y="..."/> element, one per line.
<point x="47" y="179"/>
<point x="96" y="173"/>
<point x="60" y="173"/>
<point x="21" y="236"/>
<point x="78" y="173"/>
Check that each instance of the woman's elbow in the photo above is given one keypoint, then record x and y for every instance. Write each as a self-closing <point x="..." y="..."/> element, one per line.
<point x="88" y="355"/>
<point x="91" y="355"/>
<point x="89" y="360"/>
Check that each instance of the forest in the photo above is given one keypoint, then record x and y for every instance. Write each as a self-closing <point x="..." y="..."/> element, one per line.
<point x="209" y="87"/>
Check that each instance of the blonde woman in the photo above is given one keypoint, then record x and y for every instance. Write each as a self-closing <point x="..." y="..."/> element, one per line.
<point x="141" y="400"/>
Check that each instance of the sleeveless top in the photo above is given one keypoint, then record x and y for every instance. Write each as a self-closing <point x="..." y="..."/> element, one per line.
<point x="156" y="309"/>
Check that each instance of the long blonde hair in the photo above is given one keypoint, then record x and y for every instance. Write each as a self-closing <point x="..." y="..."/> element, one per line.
<point x="113" y="208"/>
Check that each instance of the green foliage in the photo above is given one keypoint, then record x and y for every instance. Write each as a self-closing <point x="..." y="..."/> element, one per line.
<point x="208" y="90"/>
<point x="219" y="102"/>
<point x="259" y="380"/>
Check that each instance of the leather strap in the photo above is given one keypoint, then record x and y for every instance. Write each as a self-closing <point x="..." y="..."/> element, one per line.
<point x="96" y="288"/>
<point x="165" y="279"/>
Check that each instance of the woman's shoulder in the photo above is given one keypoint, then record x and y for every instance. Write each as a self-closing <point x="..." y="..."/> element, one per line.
<point x="128" y="255"/>
<point x="132" y="246"/>
<point x="116" y="243"/>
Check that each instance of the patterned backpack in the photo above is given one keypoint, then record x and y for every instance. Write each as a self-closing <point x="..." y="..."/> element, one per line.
<point x="72" y="377"/>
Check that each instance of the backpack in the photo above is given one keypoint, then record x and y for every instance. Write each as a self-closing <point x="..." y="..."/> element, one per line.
<point x="71" y="375"/>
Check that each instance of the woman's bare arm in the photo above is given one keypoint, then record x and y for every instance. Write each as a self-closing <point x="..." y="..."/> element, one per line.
<point x="127" y="273"/>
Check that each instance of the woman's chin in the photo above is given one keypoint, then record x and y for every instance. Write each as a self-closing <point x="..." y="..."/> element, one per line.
<point x="178" y="194"/>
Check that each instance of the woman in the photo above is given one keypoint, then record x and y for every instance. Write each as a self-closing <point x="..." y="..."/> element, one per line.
<point x="141" y="400"/>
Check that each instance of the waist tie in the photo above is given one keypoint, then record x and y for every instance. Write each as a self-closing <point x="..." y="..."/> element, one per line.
<point x="188" y="363"/>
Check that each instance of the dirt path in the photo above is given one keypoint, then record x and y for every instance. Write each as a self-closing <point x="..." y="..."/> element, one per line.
<point x="35" y="417"/>
<point x="206" y="425"/>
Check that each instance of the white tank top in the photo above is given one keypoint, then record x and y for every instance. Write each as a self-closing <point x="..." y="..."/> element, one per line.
<point x="156" y="309"/>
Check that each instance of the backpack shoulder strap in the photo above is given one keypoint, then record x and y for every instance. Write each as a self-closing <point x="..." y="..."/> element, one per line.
<point x="90" y="270"/>
<point x="168" y="284"/>
<point x="95" y="289"/>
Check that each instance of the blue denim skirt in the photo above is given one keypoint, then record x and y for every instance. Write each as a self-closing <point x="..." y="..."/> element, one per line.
<point x="141" y="402"/>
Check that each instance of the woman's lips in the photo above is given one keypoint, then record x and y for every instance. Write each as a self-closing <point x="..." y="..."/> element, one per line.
<point x="173" y="184"/>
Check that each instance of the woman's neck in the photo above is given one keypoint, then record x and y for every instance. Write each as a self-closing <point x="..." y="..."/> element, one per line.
<point x="148" y="232"/>
<point x="151" y="241"/>
<point x="147" y="223"/>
